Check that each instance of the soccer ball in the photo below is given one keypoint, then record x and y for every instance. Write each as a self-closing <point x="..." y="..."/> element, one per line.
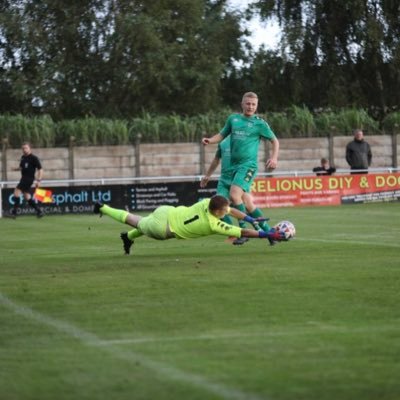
<point x="287" y="228"/>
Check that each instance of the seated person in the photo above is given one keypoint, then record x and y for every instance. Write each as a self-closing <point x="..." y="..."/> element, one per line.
<point x="324" y="168"/>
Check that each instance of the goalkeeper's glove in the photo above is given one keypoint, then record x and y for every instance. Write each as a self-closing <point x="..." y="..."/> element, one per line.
<point x="272" y="235"/>
<point x="254" y="221"/>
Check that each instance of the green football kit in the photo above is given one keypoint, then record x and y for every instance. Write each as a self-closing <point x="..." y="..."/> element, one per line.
<point x="224" y="154"/>
<point x="245" y="133"/>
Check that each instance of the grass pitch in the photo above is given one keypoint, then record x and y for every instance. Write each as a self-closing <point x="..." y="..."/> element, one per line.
<point x="315" y="318"/>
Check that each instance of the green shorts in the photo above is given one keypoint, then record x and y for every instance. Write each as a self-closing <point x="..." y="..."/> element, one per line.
<point x="155" y="225"/>
<point x="224" y="186"/>
<point x="243" y="177"/>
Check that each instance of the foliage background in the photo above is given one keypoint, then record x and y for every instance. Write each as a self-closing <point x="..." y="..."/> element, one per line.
<point x="43" y="131"/>
<point x="104" y="70"/>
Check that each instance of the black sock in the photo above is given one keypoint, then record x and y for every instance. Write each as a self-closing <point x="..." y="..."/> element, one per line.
<point x="33" y="204"/>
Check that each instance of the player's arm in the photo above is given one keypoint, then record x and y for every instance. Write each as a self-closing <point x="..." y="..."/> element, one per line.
<point x="213" y="166"/>
<point x="240" y="215"/>
<point x="252" y="233"/>
<point x="212" y="140"/>
<point x="39" y="176"/>
<point x="273" y="160"/>
<point x="230" y="230"/>
<point x="272" y="234"/>
<point x="236" y="213"/>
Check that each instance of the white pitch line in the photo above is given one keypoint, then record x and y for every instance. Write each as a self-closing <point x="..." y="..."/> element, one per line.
<point x="90" y="339"/>
<point x="349" y="240"/>
<point x="243" y="335"/>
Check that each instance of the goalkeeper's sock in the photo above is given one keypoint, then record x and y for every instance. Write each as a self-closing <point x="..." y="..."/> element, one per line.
<point x="114" y="213"/>
<point x="241" y="208"/>
<point x="257" y="213"/>
<point x="134" y="233"/>
<point x="227" y="219"/>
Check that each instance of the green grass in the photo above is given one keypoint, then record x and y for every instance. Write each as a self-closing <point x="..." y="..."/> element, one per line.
<point x="314" y="318"/>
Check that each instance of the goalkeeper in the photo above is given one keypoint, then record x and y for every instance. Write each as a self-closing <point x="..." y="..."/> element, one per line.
<point x="201" y="219"/>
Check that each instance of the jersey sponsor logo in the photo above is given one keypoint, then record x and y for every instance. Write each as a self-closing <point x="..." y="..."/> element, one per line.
<point x="240" y="134"/>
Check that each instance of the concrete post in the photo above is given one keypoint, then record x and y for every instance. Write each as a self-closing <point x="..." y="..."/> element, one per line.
<point x="394" y="146"/>
<point x="137" y="154"/>
<point x="202" y="157"/>
<point x="4" y="145"/>
<point x="331" y="146"/>
<point x="71" y="158"/>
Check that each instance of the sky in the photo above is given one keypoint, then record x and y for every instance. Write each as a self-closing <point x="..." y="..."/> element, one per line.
<point x="263" y="33"/>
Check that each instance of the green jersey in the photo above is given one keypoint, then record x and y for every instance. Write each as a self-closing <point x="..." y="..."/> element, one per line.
<point x="224" y="154"/>
<point x="196" y="221"/>
<point x="246" y="133"/>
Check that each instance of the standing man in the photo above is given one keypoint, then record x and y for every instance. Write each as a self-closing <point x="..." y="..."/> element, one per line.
<point x="246" y="130"/>
<point x="358" y="153"/>
<point x="28" y="165"/>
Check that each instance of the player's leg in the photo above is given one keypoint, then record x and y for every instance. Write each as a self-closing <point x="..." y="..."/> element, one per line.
<point x="128" y="238"/>
<point x="124" y="217"/>
<point x="223" y="188"/>
<point x="28" y="198"/>
<point x="119" y="215"/>
<point x="236" y="194"/>
<point x="254" y="211"/>
<point x="241" y="183"/>
<point x="17" y="195"/>
<point x="154" y="225"/>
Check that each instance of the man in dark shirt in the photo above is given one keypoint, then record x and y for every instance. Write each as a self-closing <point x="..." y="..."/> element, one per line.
<point x="28" y="165"/>
<point x="324" y="168"/>
<point x="358" y="154"/>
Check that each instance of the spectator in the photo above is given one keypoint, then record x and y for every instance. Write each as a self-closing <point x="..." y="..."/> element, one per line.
<point x="358" y="153"/>
<point x="324" y="168"/>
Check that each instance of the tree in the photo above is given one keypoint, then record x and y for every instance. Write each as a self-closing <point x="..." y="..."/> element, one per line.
<point x="116" y="57"/>
<point x="346" y="44"/>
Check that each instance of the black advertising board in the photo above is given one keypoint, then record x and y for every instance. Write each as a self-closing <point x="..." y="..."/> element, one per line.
<point x="146" y="197"/>
<point x="140" y="197"/>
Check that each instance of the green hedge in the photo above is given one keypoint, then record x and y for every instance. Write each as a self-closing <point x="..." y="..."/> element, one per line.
<point x="42" y="131"/>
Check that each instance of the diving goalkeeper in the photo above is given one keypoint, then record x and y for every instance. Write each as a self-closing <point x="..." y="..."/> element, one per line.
<point x="201" y="219"/>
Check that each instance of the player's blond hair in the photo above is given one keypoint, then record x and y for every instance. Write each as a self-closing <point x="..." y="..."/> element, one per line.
<point x="250" y="94"/>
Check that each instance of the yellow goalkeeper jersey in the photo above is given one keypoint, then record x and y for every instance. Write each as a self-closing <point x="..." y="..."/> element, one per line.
<point x="196" y="221"/>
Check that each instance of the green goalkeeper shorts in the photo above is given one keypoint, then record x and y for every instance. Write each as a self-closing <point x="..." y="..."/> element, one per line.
<point x="155" y="225"/>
